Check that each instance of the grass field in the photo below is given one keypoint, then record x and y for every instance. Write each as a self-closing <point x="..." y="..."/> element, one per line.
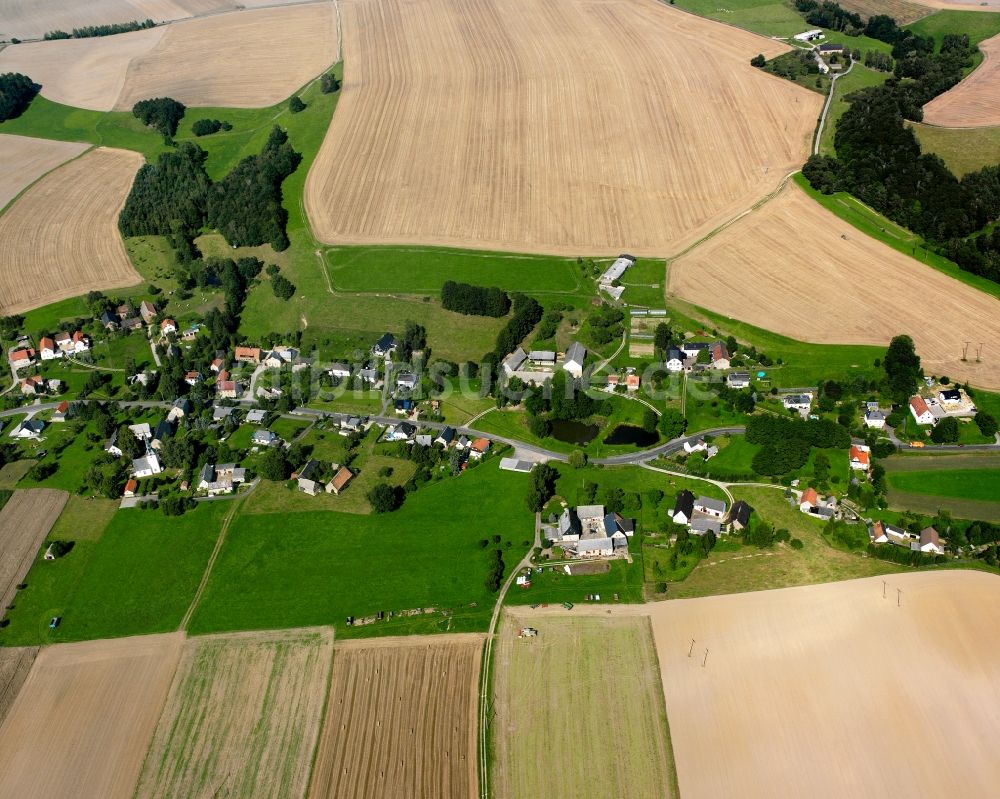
<point x="580" y="681"/>
<point x="766" y="17"/>
<point x="138" y="577"/>
<point x="242" y="718"/>
<point x="424" y="555"/>
<point x="977" y="484"/>
<point x="964" y="150"/>
<point x="978" y="26"/>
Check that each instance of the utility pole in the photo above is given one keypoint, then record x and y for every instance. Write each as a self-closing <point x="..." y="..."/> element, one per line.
<point x="979" y="351"/>
<point x="706" y="658"/>
<point x="899" y="594"/>
<point x="965" y="350"/>
<point x="883" y="589"/>
<point x="691" y="648"/>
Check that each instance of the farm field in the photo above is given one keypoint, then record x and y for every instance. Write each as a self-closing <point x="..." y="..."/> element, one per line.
<point x="242" y="717"/>
<point x="14" y="667"/>
<point x="401" y="720"/>
<point x="63" y="231"/>
<point x="766" y="272"/>
<point x="580" y="682"/>
<point x="25" y="521"/>
<point x="903" y="11"/>
<point x="964" y="150"/>
<point x="238" y="60"/>
<point x="973" y="103"/>
<point x="27" y="159"/>
<point x="647" y="171"/>
<point x="30" y="19"/>
<point x="846" y="655"/>
<point x="83" y="720"/>
<point x="980" y="484"/>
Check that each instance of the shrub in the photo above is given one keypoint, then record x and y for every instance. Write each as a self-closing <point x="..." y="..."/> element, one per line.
<point x="385" y="498"/>
<point x="328" y="83"/>
<point x="758" y="61"/>
<point x="796" y="543"/>
<point x="661" y="587"/>
<point x="295" y="105"/>
<point x="206" y="127"/>
<point x="282" y="287"/>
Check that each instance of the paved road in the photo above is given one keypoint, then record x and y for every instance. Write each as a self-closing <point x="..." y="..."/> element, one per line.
<point x="937" y="449"/>
<point x="826" y="106"/>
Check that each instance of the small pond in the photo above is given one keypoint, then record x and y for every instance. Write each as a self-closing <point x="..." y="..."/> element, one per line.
<point x="574" y="432"/>
<point x="630" y="434"/>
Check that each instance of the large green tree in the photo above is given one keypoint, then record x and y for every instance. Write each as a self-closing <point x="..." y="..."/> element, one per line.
<point x="902" y="368"/>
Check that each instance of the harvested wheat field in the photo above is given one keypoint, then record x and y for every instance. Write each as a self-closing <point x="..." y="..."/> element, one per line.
<point x="15" y="663"/>
<point x="31" y="19"/>
<point x="24" y="522"/>
<point x="400" y="720"/>
<point x="85" y="716"/>
<point x="243" y="716"/>
<point x="578" y="711"/>
<point x="975" y="101"/>
<point x="796" y="269"/>
<point x="249" y="59"/>
<point x="63" y="232"/>
<point x="26" y="159"/>
<point x="559" y="128"/>
<point x="833" y="691"/>
<point x="903" y="11"/>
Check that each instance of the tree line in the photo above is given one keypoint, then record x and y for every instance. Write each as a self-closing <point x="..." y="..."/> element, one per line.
<point x="91" y="31"/>
<point x="16" y="93"/>
<point x="785" y="442"/>
<point x="526" y="314"/>
<point x="471" y="300"/>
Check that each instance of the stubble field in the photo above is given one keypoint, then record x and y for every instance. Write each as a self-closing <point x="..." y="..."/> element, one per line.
<point x="832" y="691"/>
<point x="61" y="238"/>
<point x="249" y="59"/>
<point x="795" y="268"/>
<point x="24" y="522"/>
<point x="15" y="663"/>
<point x="26" y="159"/>
<point x="578" y="711"/>
<point x="83" y="720"/>
<point x="903" y="11"/>
<point x="975" y="102"/>
<point x="401" y="720"/>
<point x="553" y="128"/>
<point x="242" y="717"/>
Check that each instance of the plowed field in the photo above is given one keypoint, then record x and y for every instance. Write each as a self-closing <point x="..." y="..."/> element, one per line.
<point x="975" y="102"/>
<point x="14" y="667"/>
<point x="795" y="268"/>
<point x="61" y="238"/>
<point x="401" y="720"/>
<point x="562" y="128"/>
<point x="24" y="522"/>
<point x="83" y="720"/>
<point x="26" y="159"/>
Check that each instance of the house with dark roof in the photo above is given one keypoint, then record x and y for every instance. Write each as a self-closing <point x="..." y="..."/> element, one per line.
<point x="385" y="346"/>
<point x="164" y="430"/>
<point x="308" y="478"/>
<point x="568" y="527"/>
<point x="675" y="360"/>
<point x="576" y="354"/>
<point x="683" y="508"/>
<point x="446" y="437"/>
<point x="739" y="516"/>
<point x="514" y="361"/>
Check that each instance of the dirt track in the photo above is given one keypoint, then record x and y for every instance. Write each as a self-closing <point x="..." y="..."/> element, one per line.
<point x="833" y="691"/>
<point x="24" y="522"/>
<point x="401" y="720"/>
<point x="975" y="102"/>
<point x="61" y="238"/>
<point x="796" y="269"/>
<point x="26" y="159"/>
<point x="83" y="720"/>
<point x="567" y="128"/>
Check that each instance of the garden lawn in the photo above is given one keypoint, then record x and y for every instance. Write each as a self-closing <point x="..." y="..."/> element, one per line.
<point x="553" y="585"/>
<point x="306" y="569"/>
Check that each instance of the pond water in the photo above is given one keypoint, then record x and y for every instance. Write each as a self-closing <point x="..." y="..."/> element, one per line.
<point x="630" y="434"/>
<point x="574" y="432"/>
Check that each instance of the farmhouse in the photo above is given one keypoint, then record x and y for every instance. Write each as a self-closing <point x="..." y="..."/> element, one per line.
<point x="514" y="361"/>
<point x="385" y="346"/>
<point x="692" y="348"/>
<point x="221" y="479"/>
<point x="308" y="478"/>
<point x="715" y="508"/>
<point x="147" y="311"/>
<point x="632" y="382"/>
<point x="809" y="36"/>
<point x="21" y="358"/>
<point x="33" y="385"/>
<point x="612" y="383"/>
<point x="575" y="356"/>
<point x="568" y="528"/>
<point x="542" y="357"/>
<point x="675" y="360"/>
<point x="738" y="379"/>
<point x="590" y="532"/>
<point x="703" y="525"/>
<point x="860" y="456"/>
<point x="719" y="355"/>
<point x="340" y="480"/>
<point x="921" y="413"/>
<point x="885" y="533"/>
<point x="739" y="516"/>
<point x="146" y="466"/>
<point x="247" y="355"/>
<point x="27" y="428"/>
<point x="808" y="500"/>
<point x="683" y="508"/>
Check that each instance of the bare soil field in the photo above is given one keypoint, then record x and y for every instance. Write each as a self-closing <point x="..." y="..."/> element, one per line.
<point x="24" y="522"/>
<point x="249" y="59"/>
<point x="84" y="718"/>
<point x="63" y="232"/>
<point x="961" y="5"/>
<point x="833" y="690"/>
<point x="579" y="710"/>
<point x="26" y="159"/>
<point x="15" y="663"/>
<point x="795" y="268"/>
<point x="31" y="19"/>
<point x="903" y="11"/>
<point x="401" y="720"/>
<point x="565" y="128"/>
<point x="975" y="101"/>
<point x="243" y="716"/>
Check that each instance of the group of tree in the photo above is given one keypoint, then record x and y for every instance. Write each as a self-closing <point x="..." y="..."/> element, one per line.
<point x="16" y="93"/>
<point x="282" y="287"/>
<point x="206" y="127"/>
<point x="176" y="198"/>
<point x="526" y="313"/>
<point x="542" y="488"/>
<point x="902" y="368"/>
<point x="471" y="300"/>
<point x="385" y="498"/>
<point x="785" y="443"/>
<point x="831" y="16"/>
<point x="161" y="113"/>
<point x="549" y="325"/>
<point x="91" y="31"/>
<point x="606" y="324"/>
<point x="328" y="83"/>
<point x="494" y="570"/>
<point x="875" y="59"/>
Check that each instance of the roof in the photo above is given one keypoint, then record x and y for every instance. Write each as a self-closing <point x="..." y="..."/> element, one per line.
<point x="226" y="385"/>
<point x="20" y="355"/>
<point x="590" y="511"/>
<point x="711" y="504"/>
<point x="875" y="415"/>
<point x="247" y="352"/>
<point x="858" y="454"/>
<point x="541" y="355"/>
<point x="447" y="434"/>
<point x="740" y="512"/>
<point x="256" y="415"/>
<point x="305" y="473"/>
<point x="950" y="394"/>
<point x="341" y="478"/>
<point x="62" y="407"/>
<point x="706" y="525"/>
<point x="46" y="343"/>
<point x="515" y="360"/>
<point x="684" y="503"/>
<point x="167" y="323"/>
<point x="207" y="473"/>
<point x="387" y="341"/>
<point x="829" y="47"/>
<point x="719" y="351"/>
<point x="929" y="536"/>
<point x="515" y="465"/>
<point x="739" y="376"/>
<point x="675" y="354"/>
<point x="265" y="436"/>
<point x="598" y="544"/>
<point x="481" y="444"/>
<point x="408" y="429"/>
<point x="809" y="496"/>
<point x="130" y="485"/>
<point x="163" y="429"/>
<point x="576" y="353"/>
<point x="918" y="405"/>
<point x="569" y="523"/>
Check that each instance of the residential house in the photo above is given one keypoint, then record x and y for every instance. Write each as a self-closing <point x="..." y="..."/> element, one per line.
<point x="81" y="343"/>
<point x="351" y="424"/>
<point x="33" y="385"/>
<point x="445" y="437"/>
<point x="675" y="360"/>
<point x="479" y="447"/>
<point x="164" y="430"/>
<point x="617" y="526"/>
<point x="111" y="445"/>
<point x="147" y="311"/>
<point x="21" y="358"/>
<point x="339" y="370"/>
<point x="716" y="508"/>
<point x="191" y="333"/>
<point x="146" y="466"/>
<point x="308" y="478"/>
<point x="27" y="428"/>
<point x="698" y="445"/>
<point x="719" y="355"/>
<point x="406" y="380"/>
<point x="808" y="500"/>
<point x="921" y="413"/>
<point x="220" y="479"/>
<point x="385" y="346"/>
<point x="542" y="357"/>
<point x="705" y="524"/>
<point x="340" y="480"/>
<point x="256" y="416"/>
<point x="860" y="456"/>
<point x="403" y="406"/>
<point x="63" y="340"/>
<point x="930" y="541"/>
<point x="141" y="431"/>
<point x="738" y="380"/>
<point x="612" y="383"/>
<point x="576" y="354"/>
<point x="61" y="411"/>
<point x="514" y="361"/>
<point x="227" y="389"/>
<point x="130" y="487"/>
<point x="192" y="378"/>
<point x="950" y="396"/>
<point x="683" y="508"/>
<point x="404" y="431"/>
<point x="425" y="440"/>
<point x="217" y="365"/>
<point x="264" y="438"/>
<point x="47" y="349"/>
<point x="462" y="444"/>
<point x="109" y="321"/>
<point x="739" y="516"/>
<point x="247" y="355"/>
<point x="797" y="402"/>
<point x="221" y="412"/>
<point x="875" y="419"/>
<point x="223" y="375"/>
<point x="632" y="382"/>
<point x="168" y="326"/>
<point x="131" y="323"/>
<point x="370" y="376"/>
<point x="179" y="409"/>
<point x="692" y="348"/>
<point x="124" y="311"/>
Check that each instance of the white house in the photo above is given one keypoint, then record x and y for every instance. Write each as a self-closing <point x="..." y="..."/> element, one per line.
<point x="738" y="379"/>
<point x="27" y="428"/>
<point x="264" y="438"/>
<point x="21" y="358"/>
<point x="404" y="431"/>
<point x="514" y="361"/>
<point x="146" y="466"/>
<point x="929" y="541"/>
<point x="256" y="416"/>
<point x="340" y="370"/>
<point x="683" y="508"/>
<point x="798" y="402"/>
<point x="716" y="508"/>
<point x="719" y="355"/>
<point x="168" y="326"/>
<point x="921" y="413"/>
<point x="406" y="380"/>
<point x="575" y="356"/>
<point x="80" y="342"/>
<point x="141" y="431"/>
<point x="675" y="360"/>
<point x="860" y="457"/>
<point x="692" y="348"/>
<point x="875" y="419"/>
<point x="47" y="349"/>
